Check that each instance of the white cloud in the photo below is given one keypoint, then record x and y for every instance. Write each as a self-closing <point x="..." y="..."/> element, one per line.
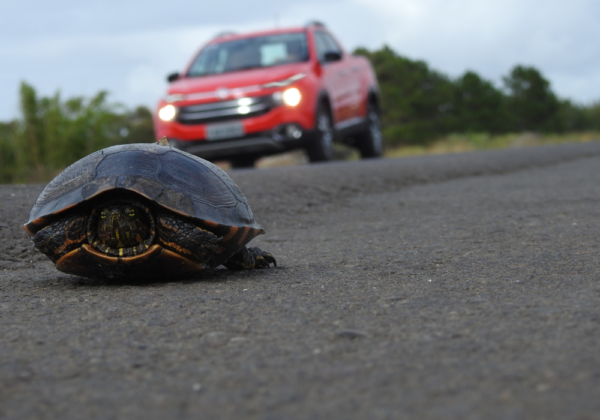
<point x="491" y="37"/>
<point x="142" y="79"/>
<point x="86" y="49"/>
<point x="132" y="67"/>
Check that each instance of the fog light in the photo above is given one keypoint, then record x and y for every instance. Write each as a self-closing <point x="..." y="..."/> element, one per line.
<point x="167" y="112"/>
<point x="293" y="131"/>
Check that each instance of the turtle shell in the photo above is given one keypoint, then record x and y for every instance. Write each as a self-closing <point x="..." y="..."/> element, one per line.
<point x="176" y="180"/>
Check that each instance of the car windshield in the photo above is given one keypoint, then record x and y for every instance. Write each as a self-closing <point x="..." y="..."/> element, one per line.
<point x="249" y="53"/>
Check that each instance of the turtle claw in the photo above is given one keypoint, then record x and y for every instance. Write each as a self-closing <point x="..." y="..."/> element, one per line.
<point x="249" y="258"/>
<point x="262" y="259"/>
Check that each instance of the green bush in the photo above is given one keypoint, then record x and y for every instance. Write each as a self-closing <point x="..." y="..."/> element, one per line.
<point x="416" y="101"/>
<point x="8" y="157"/>
<point x="52" y="133"/>
<point x="420" y="105"/>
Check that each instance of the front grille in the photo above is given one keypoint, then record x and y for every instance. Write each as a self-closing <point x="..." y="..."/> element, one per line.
<point x="225" y="110"/>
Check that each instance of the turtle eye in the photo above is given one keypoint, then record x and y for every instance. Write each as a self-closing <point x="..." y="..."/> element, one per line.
<point x="103" y="215"/>
<point x="131" y="212"/>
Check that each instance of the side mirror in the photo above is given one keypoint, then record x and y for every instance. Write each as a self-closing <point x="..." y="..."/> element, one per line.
<point x="332" y="56"/>
<point x="172" y="77"/>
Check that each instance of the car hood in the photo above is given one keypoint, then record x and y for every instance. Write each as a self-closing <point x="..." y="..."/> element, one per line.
<point x="237" y="79"/>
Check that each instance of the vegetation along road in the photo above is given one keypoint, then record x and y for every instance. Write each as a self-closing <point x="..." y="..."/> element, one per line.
<point x="461" y="286"/>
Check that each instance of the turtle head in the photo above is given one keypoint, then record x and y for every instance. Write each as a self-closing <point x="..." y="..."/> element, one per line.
<point x="122" y="225"/>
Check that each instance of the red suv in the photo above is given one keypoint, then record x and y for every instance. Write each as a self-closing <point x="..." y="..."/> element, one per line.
<point x="246" y="96"/>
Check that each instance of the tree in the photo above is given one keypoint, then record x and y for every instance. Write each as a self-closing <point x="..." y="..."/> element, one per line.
<point x="8" y="157"/>
<point x="53" y="133"/>
<point x="531" y="101"/>
<point x="573" y="117"/>
<point x="139" y="127"/>
<point x="478" y="106"/>
<point x="592" y="115"/>
<point x="29" y="150"/>
<point x="416" y="101"/>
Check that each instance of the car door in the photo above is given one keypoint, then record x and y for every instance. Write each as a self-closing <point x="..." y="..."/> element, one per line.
<point x="337" y="77"/>
<point x="350" y="76"/>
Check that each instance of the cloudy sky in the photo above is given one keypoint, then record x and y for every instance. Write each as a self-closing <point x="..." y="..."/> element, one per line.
<point x="128" y="47"/>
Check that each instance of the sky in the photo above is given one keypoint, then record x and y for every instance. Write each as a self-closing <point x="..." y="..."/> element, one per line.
<point x="79" y="48"/>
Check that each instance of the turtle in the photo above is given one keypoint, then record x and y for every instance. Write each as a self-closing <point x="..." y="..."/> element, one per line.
<point x="144" y="211"/>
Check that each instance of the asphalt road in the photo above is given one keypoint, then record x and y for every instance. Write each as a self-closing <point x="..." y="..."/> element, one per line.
<point x="457" y="287"/>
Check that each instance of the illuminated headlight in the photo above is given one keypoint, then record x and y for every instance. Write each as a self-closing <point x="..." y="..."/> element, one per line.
<point x="167" y="112"/>
<point x="291" y="96"/>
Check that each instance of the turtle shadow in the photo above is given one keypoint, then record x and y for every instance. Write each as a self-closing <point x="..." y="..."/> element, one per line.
<point x="215" y="276"/>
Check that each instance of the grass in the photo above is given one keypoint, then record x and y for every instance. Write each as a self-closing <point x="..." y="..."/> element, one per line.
<point x="459" y="143"/>
<point x="455" y="143"/>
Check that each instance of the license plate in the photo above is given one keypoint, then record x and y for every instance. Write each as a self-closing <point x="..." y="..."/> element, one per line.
<point x="224" y="131"/>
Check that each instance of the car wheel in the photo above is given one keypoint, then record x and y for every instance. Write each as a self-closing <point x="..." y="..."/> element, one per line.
<point x="242" y="162"/>
<point x="370" y="142"/>
<point x="321" y="148"/>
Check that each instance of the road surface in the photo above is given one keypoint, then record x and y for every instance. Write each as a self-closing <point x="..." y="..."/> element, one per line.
<point x="460" y="287"/>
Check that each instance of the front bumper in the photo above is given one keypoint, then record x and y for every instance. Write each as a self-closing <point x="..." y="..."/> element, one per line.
<point x="254" y="145"/>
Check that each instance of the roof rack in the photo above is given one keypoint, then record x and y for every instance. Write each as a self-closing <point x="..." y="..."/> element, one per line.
<point x="315" y="23"/>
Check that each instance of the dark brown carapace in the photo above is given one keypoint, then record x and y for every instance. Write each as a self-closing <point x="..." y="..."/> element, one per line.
<point x="144" y="211"/>
<point x="129" y="238"/>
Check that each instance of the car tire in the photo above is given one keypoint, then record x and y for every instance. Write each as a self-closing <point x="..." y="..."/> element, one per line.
<point x="242" y="162"/>
<point x="370" y="142"/>
<point x="321" y="148"/>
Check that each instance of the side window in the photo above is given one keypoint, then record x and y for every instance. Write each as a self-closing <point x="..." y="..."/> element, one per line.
<point x="321" y="45"/>
<point x="325" y="43"/>
<point x="331" y="44"/>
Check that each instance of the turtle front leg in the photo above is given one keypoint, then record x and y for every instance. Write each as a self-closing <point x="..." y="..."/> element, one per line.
<point x="186" y="239"/>
<point x="62" y="236"/>
<point x="248" y="258"/>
